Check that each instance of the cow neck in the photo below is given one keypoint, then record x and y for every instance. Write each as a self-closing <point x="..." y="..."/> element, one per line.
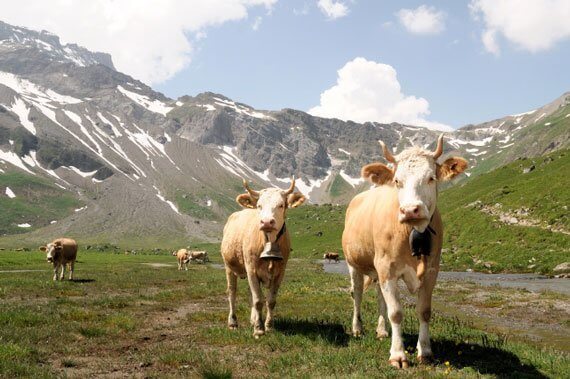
<point x="279" y="234"/>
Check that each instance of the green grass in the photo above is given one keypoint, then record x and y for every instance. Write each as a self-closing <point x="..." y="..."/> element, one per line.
<point x="472" y="235"/>
<point x="124" y="317"/>
<point x="37" y="202"/>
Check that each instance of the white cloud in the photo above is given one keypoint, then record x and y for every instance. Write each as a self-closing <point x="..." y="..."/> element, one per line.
<point x="422" y="20"/>
<point x="533" y="25"/>
<point x="370" y="91"/>
<point x="333" y="9"/>
<point x="148" y="39"/>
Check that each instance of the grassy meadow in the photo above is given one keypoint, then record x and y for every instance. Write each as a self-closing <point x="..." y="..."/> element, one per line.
<point x="136" y="315"/>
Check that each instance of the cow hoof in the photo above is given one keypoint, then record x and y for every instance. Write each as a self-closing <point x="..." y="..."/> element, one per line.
<point x="425" y="359"/>
<point x="399" y="363"/>
<point x="258" y="333"/>
<point x="381" y="334"/>
<point x="233" y="326"/>
<point x="357" y="333"/>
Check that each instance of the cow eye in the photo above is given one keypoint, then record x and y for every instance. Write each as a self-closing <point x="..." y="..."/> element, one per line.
<point x="258" y="206"/>
<point x="397" y="182"/>
<point x="280" y="205"/>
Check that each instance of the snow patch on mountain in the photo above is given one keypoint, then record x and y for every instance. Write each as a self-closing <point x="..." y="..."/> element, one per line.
<point x="33" y="93"/>
<point x="155" y="106"/>
<point x="163" y="199"/>
<point x="10" y="193"/>
<point x="23" y="112"/>
<point x="240" y="108"/>
<point x="350" y="180"/>
<point x="14" y="159"/>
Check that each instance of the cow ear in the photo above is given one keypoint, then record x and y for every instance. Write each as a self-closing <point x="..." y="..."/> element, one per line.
<point x="43" y="248"/>
<point x="246" y="200"/>
<point x="295" y="199"/>
<point x="377" y="173"/>
<point x="451" y="168"/>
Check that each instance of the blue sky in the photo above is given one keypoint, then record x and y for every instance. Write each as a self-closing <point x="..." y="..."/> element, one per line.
<point x="446" y="63"/>
<point x="292" y="58"/>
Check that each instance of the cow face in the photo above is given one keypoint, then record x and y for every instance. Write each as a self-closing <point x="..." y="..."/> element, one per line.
<point x="53" y="251"/>
<point x="415" y="173"/>
<point x="271" y="204"/>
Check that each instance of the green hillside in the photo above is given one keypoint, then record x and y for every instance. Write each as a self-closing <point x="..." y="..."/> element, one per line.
<point x="37" y="202"/>
<point x="508" y="220"/>
<point x="475" y="238"/>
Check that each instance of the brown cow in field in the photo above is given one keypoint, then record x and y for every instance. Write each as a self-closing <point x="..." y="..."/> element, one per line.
<point x="331" y="257"/>
<point x="60" y="252"/>
<point x="376" y="239"/>
<point x="244" y="239"/>
<point x="183" y="257"/>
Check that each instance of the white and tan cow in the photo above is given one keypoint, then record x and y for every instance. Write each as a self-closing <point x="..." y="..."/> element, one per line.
<point x="201" y="256"/>
<point x="243" y="242"/>
<point x="183" y="257"/>
<point x="60" y="252"/>
<point x="376" y="239"/>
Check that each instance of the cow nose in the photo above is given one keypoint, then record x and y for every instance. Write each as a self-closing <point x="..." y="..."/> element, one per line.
<point x="411" y="211"/>
<point x="267" y="224"/>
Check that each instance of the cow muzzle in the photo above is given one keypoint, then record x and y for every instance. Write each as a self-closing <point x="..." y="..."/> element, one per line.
<point x="50" y="259"/>
<point x="412" y="213"/>
<point x="267" y="225"/>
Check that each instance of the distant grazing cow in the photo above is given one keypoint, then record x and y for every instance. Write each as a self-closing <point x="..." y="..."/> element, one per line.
<point x="183" y="257"/>
<point x="243" y="242"/>
<point x="201" y="256"/>
<point x="331" y="257"/>
<point x="376" y="239"/>
<point x="60" y="252"/>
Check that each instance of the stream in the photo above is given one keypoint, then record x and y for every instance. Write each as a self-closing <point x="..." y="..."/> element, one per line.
<point x="530" y="282"/>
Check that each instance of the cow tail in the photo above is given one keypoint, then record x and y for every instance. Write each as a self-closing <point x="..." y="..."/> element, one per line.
<point x="367" y="282"/>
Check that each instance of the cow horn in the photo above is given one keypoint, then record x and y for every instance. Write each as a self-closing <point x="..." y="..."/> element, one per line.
<point x="387" y="154"/>
<point x="291" y="187"/>
<point x="439" y="149"/>
<point x="251" y="192"/>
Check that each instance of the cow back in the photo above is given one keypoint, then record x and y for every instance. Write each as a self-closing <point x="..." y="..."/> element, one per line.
<point x="69" y="251"/>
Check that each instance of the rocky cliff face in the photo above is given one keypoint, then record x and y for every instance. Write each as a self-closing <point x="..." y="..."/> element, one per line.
<point x="147" y="165"/>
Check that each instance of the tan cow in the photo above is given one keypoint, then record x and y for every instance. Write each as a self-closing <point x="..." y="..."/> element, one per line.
<point x="60" y="252"/>
<point x="183" y="257"/>
<point x="243" y="242"/>
<point x="376" y="239"/>
<point x="201" y="256"/>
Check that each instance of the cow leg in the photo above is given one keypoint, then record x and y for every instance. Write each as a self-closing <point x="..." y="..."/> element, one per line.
<point x="232" y="290"/>
<point x="71" y="267"/>
<point x="392" y="296"/>
<point x="356" y="290"/>
<point x="423" y="309"/>
<point x="55" y="271"/>
<point x="61" y="277"/>
<point x="256" y="305"/>
<point x="271" y="301"/>
<point x="381" y="331"/>
<point x="179" y="265"/>
<point x="186" y="266"/>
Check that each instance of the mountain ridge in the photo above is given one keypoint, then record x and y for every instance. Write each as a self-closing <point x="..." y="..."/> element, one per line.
<point x="144" y="164"/>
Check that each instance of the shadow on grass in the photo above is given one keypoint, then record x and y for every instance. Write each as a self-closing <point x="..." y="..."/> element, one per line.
<point x="82" y="280"/>
<point x="332" y="333"/>
<point x="487" y="360"/>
